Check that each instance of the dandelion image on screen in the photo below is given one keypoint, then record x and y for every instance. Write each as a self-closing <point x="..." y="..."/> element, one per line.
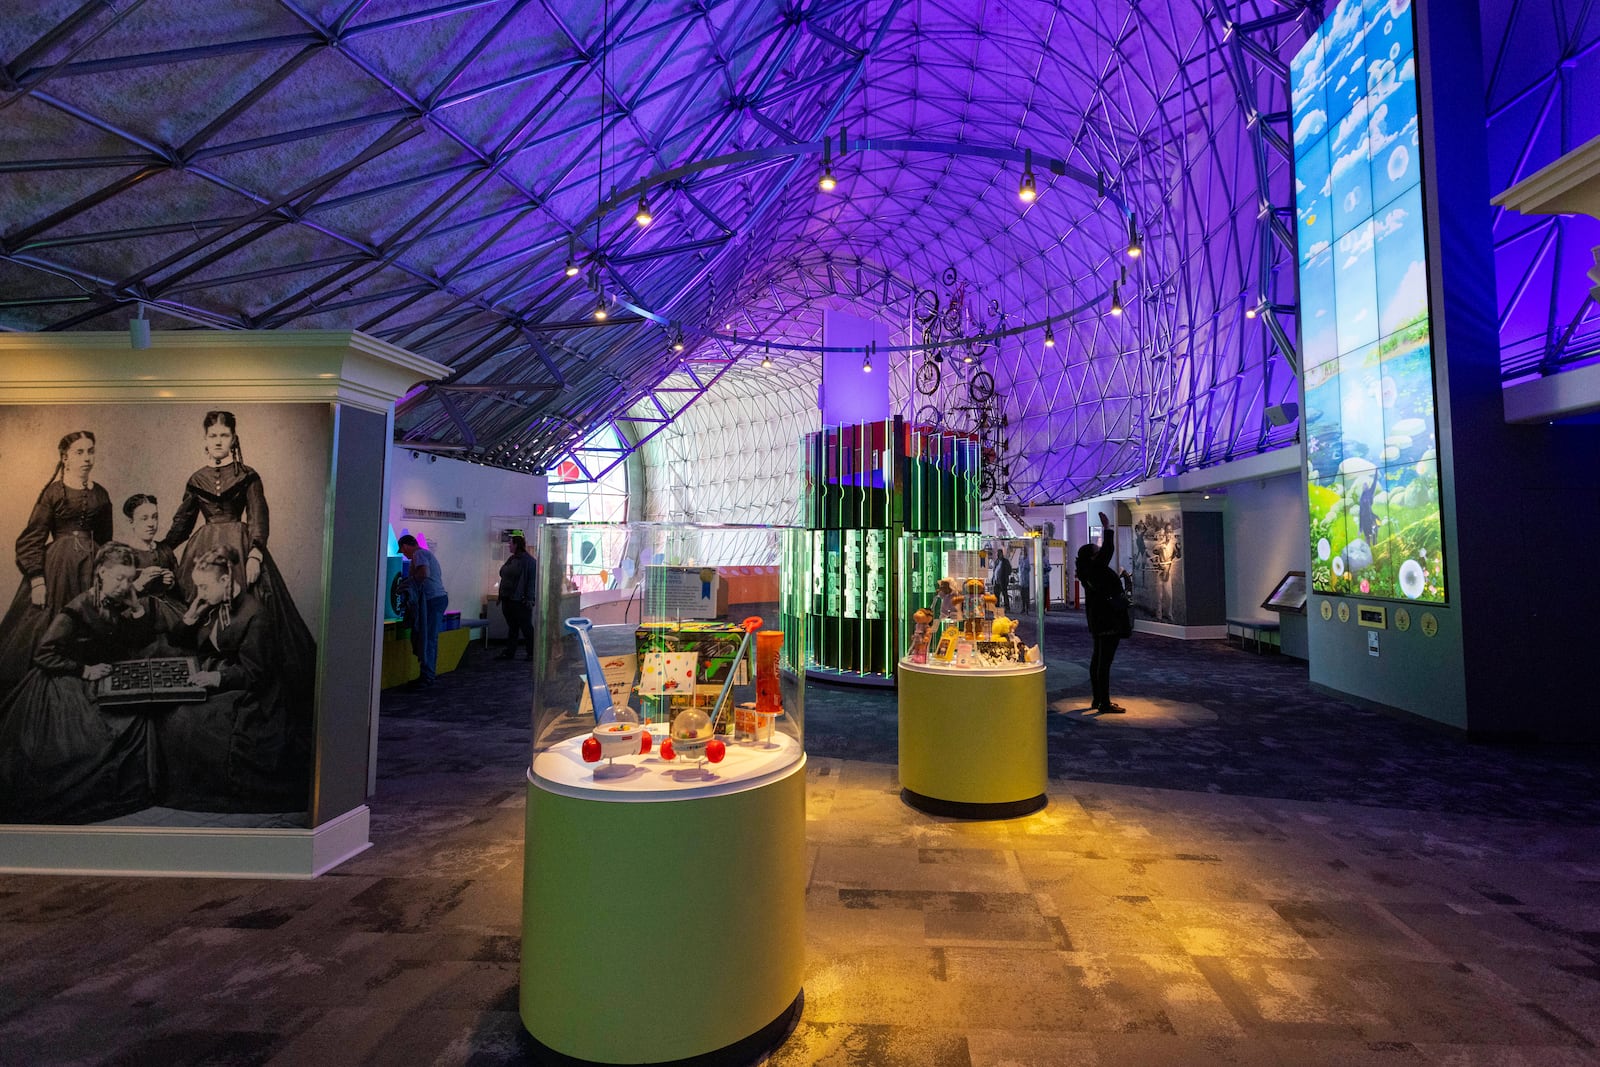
<point x="1413" y="579"/>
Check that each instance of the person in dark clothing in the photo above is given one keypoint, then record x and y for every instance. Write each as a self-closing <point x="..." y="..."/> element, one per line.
<point x="519" y="576"/>
<point x="244" y="748"/>
<point x="1002" y="578"/>
<point x="1105" y="610"/>
<point x="63" y="758"/>
<point x="55" y="553"/>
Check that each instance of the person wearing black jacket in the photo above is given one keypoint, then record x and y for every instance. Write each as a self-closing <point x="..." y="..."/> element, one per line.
<point x="1105" y="610"/>
<point x="519" y="576"/>
<point x="1002" y="578"/>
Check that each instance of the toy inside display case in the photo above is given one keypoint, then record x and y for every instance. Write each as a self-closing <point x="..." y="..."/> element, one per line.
<point x="662" y="663"/>
<point x="970" y="603"/>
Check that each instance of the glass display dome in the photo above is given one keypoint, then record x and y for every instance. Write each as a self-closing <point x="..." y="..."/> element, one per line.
<point x="663" y="668"/>
<point x="971" y="603"/>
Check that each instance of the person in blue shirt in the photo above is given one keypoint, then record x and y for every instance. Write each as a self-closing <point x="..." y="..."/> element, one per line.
<point x="428" y="601"/>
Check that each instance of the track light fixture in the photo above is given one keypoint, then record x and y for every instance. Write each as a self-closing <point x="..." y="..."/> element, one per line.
<point x="866" y="363"/>
<point x="572" y="260"/>
<point x="1250" y="311"/>
<point x="677" y="341"/>
<point x="1135" y="248"/>
<point x="600" y="309"/>
<point x="643" y="216"/>
<point x="139" y="330"/>
<point x="1049" y="336"/>
<point x="826" y="182"/>
<point x="1027" y="192"/>
<point x="1116" y="293"/>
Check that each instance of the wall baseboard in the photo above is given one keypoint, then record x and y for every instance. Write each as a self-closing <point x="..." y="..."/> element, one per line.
<point x="185" y="852"/>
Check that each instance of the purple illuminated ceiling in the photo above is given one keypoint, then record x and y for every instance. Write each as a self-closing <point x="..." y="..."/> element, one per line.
<point x="1542" y="73"/>
<point x="420" y="170"/>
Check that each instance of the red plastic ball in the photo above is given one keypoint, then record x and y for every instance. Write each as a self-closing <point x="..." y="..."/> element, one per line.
<point x="715" y="750"/>
<point x="644" y="744"/>
<point x="666" y="749"/>
<point x="591" y="750"/>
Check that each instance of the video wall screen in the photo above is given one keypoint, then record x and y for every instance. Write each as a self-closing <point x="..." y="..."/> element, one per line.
<point x="1365" y="339"/>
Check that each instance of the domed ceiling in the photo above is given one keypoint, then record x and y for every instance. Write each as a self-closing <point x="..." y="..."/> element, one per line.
<point x="425" y="171"/>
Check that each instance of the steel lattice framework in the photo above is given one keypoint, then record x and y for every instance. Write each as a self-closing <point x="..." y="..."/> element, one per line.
<point x="424" y="169"/>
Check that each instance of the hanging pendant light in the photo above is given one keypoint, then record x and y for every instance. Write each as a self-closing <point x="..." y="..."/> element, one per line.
<point x="1028" y="191"/>
<point x="1135" y="247"/>
<point x="677" y="341"/>
<point x="1049" y="336"/>
<point x="642" y="216"/>
<point x="826" y="182"/>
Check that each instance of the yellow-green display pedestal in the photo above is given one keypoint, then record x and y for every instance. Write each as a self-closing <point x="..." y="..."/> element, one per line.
<point x="972" y="742"/>
<point x="665" y="925"/>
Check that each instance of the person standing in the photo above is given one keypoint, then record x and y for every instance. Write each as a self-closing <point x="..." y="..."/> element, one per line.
<point x="1105" y="609"/>
<point x="428" y="601"/>
<point x="69" y="522"/>
<point x="1025" y="574"/>
<point x="1002" y="578"/>
<point x="519" y="576"/>
<point x="225" y="504"/>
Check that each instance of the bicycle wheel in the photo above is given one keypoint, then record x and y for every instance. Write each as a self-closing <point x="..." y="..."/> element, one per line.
<point x="980" y="387"/>
<point x="978" y="348"/>
<point x="986" y="485"/>
<point x="951" y="320"/>
<point x="949" y="276"/>
<point x="927" y="377"/>
<point x="925" y="306"/>
<point x="930" y="415"/>
<point x="994" y="309"/>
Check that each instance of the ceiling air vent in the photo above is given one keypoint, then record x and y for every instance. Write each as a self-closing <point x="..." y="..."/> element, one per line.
<point x="434" y="515"/>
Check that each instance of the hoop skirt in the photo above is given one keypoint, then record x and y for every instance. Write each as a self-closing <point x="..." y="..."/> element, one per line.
<point x="63" y="758"/>
<point x="64" y="530"/>
<point x="236" y="751"/>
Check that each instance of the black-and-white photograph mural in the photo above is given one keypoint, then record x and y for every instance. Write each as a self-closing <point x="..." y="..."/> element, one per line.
<point x="1156" y="550"/>
<point x="157" y="663"/>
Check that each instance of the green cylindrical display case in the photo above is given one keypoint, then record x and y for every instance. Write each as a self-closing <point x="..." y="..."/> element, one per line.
<point x="972" y="742"/>
<point x="665" y="929"/>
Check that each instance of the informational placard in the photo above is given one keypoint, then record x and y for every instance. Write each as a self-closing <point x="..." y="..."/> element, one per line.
<point x="682" y="592"/>
<point x="1372" y="469"/>
<point x="961" y="564"/>
<point x="877" y="559"/>
<point x="1289" y="596"/>
<point x="852" y="574"/>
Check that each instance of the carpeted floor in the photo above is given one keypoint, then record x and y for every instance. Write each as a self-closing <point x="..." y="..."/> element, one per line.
<point x="1237" y="871"/>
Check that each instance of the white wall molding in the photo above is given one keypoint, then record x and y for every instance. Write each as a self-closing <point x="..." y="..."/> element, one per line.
<point x="341" y="366"/>
<point x="1570" y="185"/>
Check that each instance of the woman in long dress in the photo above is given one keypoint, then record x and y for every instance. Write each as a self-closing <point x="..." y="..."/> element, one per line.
<point x="55" y="553"/>
<point x="158" y="564"/>
<point x="229" y="497"/>
<point x="63" y="757"/>
<point x="235" y="752"/>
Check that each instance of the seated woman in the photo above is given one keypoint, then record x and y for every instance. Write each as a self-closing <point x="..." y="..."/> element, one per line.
<point x="235" y="751"/>
<point x="63" y="758"/>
